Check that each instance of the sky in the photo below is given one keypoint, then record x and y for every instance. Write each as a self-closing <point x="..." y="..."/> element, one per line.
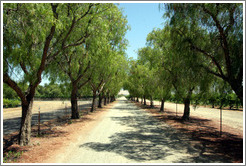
<point x="142" y="18"/>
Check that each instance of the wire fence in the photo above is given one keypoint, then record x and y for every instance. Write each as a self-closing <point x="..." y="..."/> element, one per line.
<point x="41" y="115"/>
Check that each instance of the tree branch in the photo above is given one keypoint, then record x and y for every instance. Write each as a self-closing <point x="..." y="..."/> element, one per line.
<point x="209" y="56"/>
<point x="87" y="12"/>
<point x="223" y="39"/>
<point x="23" y="67"/>
<point x="214" y="73"/>
<point x="84" y="83"/>
<point x="15" y="87"/>
<point x="45" y="51"/>
<point x="232" y="21"/>
<point x="86" y="69"/>
<point x="69" y="32"/>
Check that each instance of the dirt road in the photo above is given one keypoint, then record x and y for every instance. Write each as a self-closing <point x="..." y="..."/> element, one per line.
<point x="48" y="110"/>
<point x="126" y="134"/>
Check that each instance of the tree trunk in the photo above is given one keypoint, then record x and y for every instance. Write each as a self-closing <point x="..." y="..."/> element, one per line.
<point x="100" y="101"/>
<point x="108" y="100"/>
<point x="105" y="100"/>
<point x="238" y="89"/>
<point x="213" y="105"/>
<point x="137" y="99"/>
<point x="186" y="115"/>
<point x="74" y="103"/>
<point x="162" y="106"/>
<point x="144" y="100"/>
<point x="141" y="100"/>
<point x="93" y="102"/>
<point x="26" y="119"/>
<point x="151" y="102"/>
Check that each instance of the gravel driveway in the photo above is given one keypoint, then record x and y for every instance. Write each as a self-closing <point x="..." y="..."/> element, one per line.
<point x="126" y="134"/>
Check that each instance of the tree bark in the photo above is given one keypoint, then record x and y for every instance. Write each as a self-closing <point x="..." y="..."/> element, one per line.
<point x="144" y="100"/>
<point x="137" y="99"/>
<point x="105" y="100"/>
<point x="93" y="102"/>
<point x="162" y="106"/>
<point x="141" y="100"/>
<point x="100" y="101"/>
<point x="108" y="99"/>
<point x="186" y="115"/>
<point x="26" y="119"/>
<point x="74" y="102"/>
<point x="238" y="89"/>
<point x="151" y="102"/>
<point x="212" y="104"/>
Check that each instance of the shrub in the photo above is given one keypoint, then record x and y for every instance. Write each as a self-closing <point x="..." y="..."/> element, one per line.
<point x="9" y="103"/>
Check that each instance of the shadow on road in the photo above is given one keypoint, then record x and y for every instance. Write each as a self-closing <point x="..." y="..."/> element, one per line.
<point x="199" y="129"/>
<point x="149" y="140"/>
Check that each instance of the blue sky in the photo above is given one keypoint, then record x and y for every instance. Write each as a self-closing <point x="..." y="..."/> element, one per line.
<point x="142" y="18"/>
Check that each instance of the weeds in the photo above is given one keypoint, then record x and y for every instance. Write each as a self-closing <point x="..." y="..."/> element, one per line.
<point x="70" y="121"/>
<point x="11" y="156"/>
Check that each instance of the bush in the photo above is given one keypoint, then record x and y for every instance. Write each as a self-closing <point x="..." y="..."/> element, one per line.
<point x="9" y="103"/>
<point x="9" y="93"/>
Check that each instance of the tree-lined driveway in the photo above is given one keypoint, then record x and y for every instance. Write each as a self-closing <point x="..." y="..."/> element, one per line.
<point x="126" y="134"/>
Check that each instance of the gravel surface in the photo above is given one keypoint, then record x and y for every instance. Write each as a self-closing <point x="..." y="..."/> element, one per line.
<point x="126" y="134"/>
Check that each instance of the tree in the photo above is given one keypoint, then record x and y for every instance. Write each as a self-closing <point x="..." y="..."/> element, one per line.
<point x="136" y="76"/>
<point x="187" y="75"/>
<point x="176" y="65"/>
<point x="75" y="62"/>
<point x="27" y="37"/>
<point x="107" y="53"/>
<point x="35" y="35"/>
<point x="78" y="64"/>
<point x="147" y="56"/>
<point x="220" y="26"/>
<point x="157" y="39"/>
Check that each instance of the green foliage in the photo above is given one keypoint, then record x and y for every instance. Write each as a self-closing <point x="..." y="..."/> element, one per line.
<point x="9" y="103"/>
<point x="11" y="156"/>
<point x="52" y="90"/>
<point x="69" y="43"/>
<point x="175" y="63"/>
<point x="25" y="30"/>
<point x="9" y="93"/>
<point x="214" y="32"/>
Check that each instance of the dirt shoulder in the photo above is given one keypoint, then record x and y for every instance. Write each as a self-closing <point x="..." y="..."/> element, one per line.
<point x="55" y="136"/>
<point x="204" y="131"/>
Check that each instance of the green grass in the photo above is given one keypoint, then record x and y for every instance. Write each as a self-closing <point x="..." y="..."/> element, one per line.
<point x="11" y="156"/>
